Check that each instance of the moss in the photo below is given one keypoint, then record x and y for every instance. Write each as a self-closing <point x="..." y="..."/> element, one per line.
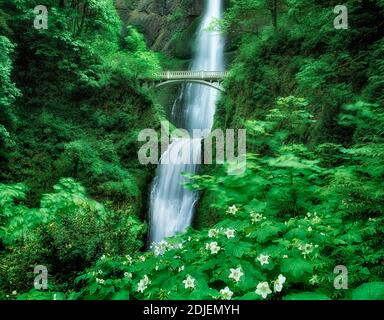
<point x="182" y="43"/>
<point x="206" y="214"/>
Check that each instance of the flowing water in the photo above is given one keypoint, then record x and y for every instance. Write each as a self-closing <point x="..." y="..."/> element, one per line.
<point x="171" y="205"/>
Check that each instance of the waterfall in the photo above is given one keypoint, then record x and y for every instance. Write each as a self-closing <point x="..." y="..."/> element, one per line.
<point x="171" y="205"/>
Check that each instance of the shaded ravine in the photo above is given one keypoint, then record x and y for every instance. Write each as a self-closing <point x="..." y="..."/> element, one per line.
<point x="171" y="205"/>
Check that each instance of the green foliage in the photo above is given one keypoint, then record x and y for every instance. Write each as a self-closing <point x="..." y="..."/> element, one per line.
<point x="305" y="56"/>
<point x="8" y="95"/>
<point x="311" y="198"/>
<point x="280" y="228"/>
<point x="67" y="233"/>
<point x="369" y="291"/>
<point x="80" y="90"/>
<point x="306" y="296"/>
<point x="8" y="90"/>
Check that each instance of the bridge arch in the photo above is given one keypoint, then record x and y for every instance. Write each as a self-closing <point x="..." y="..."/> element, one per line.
<point x="211" y="79"/>
<point x="214" y="85"/>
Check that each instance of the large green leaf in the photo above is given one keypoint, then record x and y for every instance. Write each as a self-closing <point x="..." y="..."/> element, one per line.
<point x="306" y="296"/>
<point x="296" y="268"/>
<point x="121" y="295"/>
<point x="369" y="291"/>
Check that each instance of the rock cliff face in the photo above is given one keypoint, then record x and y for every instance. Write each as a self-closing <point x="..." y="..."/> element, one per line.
<point x="168" y="25"/>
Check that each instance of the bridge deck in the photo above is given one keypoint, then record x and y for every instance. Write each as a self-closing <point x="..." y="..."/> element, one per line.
<point x="191" y="75"/>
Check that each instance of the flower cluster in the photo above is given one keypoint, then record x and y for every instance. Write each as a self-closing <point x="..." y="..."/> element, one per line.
<point x="232" y="210"/>
<point x="143" y="284"/>
<point x="256" y="217"/>
<point x="306" y="249"/>
<point x="129" y="259"/>
<point x="160" y="248"/>
<point x="229" y="233"/>
<point x="264" y="290"/>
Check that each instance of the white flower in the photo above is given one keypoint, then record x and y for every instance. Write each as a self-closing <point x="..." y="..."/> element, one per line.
<point x="306" y="248"/>
<point x="256" y="217"/>
<point x="128" y="275"/>
<point x="314" y="280"/>
<point x="189" y="282"/>
<point x="278" y="284"/>
<point x="232" y="210"/>
<point x="213" y="247"/>
<point x="189" y="238"/>
<point x="235" y="274"/>
<point x="141" y="287"/>
<point x="157" y="268"/>
<point x="14" y="292"/>
<point x="285" y="256"/>
<point x="129" y="258"/>
<point x="230" y="233"/>
<point x="100" y="272"/>
<point x="180" y="268"/>
<point x="103" y="257"/>
<point x="143" y="283"/>
<point x="309" y="229"/>
<point x="142" y="258"/>
<point x="316" y="220"/>
<point x="100" y="281"/>
<point x="179" y="246"/>
<point x="226" y="294"/>
<point x="160" y="248"/>
<point x="263" y="259"/>
<point x="212" y="233"/>
<point x="263" y="289"/>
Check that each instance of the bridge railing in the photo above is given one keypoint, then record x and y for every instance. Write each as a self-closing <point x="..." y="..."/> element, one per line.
<point x="179" y="75"/>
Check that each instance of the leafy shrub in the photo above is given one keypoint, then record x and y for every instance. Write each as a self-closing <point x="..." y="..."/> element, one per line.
<point x="67" y="234"/>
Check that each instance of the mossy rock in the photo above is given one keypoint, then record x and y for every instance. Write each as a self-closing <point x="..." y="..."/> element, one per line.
<point x="181" y="45"/>
<point x="206" y="216"/>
